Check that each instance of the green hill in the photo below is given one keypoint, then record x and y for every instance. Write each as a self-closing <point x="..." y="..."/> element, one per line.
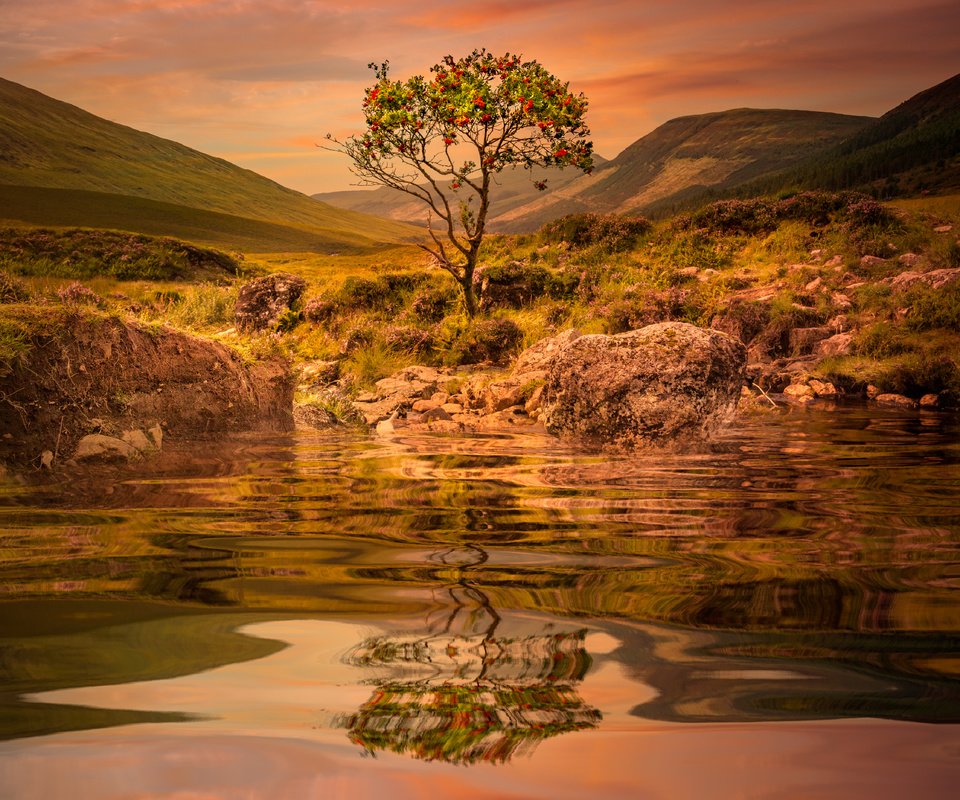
<point x="45" y="143"/>
<point x="685" y="156"/>
<point x="912" y="148"/>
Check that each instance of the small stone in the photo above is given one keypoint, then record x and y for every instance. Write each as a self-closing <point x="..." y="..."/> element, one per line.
<point x="46" y="459"/>
<point x="822" y="388"/>
<point x="836" y="261"/>
<point x="97" y="447"/>
<point x="873" y="392"/>
<point x="909" y="259"/>
<point x="532" y="406"/>
<point x="434" y="414"/>
<point x="930" y="401"/>
<point x="452" y="408"/>
<point x="839" y="345"/>
<point x="814" y="285"/>
<point x="943" y="229"/>
<point x="800" y="392"/>
<point x="898" y="400"/>
<point x="137" y="439"/>
<point x="872" y="261"/>
<point x="840" y="301"/>
<point x="440" y="398"/>
<point x="425" y="405"/>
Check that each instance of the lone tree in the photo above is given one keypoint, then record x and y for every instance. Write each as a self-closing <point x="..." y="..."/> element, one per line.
<point x="443" y="139"/>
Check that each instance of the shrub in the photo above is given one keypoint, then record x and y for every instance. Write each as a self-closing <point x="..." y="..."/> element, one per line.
<point x="355" y="339"/>
<point x="931" y="308"/>
<point x="511" y="285"/>
<point x="433" y="303"/>
<point x="12" y="290"/>
<point x="384" y="293"/>
<point x="363" y="293"/>
<point x="742" y="319"/>
<point x="409" y="339"/>
<point x="486" y="340"/>
<point x="612" y="232"/>
<point x="82" y="253"/>
<point x="737" y="216"/>
<point x="76" y="294"/>
<point x="319" y="309"/>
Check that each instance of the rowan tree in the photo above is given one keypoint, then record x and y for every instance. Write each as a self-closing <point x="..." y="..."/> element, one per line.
<point x="443" y="139"/>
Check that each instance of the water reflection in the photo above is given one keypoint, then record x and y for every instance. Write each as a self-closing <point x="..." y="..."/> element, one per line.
<point x="461" y="692"/>
<point x="806" y="569"/>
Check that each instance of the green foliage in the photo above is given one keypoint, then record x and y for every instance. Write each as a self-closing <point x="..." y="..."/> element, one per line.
<point x="82" y="253"/>
<point x="11" y="289"/>
<point x="200" y="307"/>
<point x="512" y="285"/>
<point x="14" y="342"/>
<point x="486" y="340"/>
<point x="433" y="303"/>
<point x="337" y="406"/>
<point x="384" y="293"/>
<point x="930" y="308"/>
<point x="370" y="361"/>
<point x="613" y="232"/>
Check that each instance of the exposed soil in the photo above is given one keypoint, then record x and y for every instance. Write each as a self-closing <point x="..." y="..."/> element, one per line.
<point x="82" y="372"/>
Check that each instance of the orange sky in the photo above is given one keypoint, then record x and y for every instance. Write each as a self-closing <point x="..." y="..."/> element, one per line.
<point x="259" y="81"/>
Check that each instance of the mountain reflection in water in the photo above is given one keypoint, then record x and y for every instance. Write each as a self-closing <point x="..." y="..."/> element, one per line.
<point x="466" y="600"/>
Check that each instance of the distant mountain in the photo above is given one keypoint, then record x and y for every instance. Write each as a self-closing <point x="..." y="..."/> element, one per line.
<point x="686" y="156"/>
<point x="49" y="144"/>
<point x="511" y="189"/>
<point x="913" y="147"/>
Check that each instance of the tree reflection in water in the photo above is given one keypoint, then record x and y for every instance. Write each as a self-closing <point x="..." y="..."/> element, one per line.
<point x="463" y="694"/>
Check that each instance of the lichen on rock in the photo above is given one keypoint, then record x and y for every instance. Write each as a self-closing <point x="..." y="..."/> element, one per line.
<point x="665" y="385"/>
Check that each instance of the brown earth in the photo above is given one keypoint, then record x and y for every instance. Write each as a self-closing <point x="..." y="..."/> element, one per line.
<point x="80" y="372"/>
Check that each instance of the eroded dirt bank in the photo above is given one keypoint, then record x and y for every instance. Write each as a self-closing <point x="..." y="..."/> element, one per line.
<point x="70" y="373"/>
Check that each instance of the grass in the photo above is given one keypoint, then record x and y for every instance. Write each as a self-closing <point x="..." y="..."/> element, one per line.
<point x="85" y="253"/>
<point x="377" y="312"/>
<point x="40" y="206"/>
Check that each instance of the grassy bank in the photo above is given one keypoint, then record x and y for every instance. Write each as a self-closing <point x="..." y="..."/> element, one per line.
<point x="781" y="275"/>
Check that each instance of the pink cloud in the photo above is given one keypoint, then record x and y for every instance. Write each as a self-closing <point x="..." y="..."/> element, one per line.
<point x="229" y="75"/>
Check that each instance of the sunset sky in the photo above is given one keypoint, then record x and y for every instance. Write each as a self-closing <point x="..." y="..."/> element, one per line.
<point x="258" y="82"/>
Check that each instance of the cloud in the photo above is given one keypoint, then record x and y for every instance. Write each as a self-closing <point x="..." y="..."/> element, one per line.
<point x="228" y="76"/>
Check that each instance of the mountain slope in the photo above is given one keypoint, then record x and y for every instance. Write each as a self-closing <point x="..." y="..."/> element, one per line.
<point x="912" y="147"/>
<point x="47" y="143"/>
<point x="686" y="155"/>
<point x="511" y="189"/>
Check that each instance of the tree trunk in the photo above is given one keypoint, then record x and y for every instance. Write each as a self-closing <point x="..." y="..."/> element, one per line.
<point x="466" y="284"/>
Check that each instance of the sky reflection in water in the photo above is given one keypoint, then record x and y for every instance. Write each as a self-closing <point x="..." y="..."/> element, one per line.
<point x="441" y="602"/>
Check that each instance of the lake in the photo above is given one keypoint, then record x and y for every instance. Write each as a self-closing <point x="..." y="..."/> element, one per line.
<point x="336" y="615"/>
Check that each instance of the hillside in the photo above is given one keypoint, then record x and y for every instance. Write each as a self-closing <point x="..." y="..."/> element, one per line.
<point x="912" y="148"/>
<point x="686" y="155"/>
<point x="49" y="144"/>
<point x="512" y="189"/>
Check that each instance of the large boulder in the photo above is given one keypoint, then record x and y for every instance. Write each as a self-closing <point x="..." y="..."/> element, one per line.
<point x="263" y="301"/>
<point x="665" y="385"/>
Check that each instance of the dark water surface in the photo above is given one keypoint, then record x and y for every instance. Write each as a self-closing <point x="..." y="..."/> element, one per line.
<point x="428" y="616"/>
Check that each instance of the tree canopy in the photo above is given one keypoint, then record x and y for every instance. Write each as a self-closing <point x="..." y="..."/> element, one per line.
<point x="443" y="138"/>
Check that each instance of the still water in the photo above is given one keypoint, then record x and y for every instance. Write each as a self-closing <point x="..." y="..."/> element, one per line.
<point x="333" y="615"/>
